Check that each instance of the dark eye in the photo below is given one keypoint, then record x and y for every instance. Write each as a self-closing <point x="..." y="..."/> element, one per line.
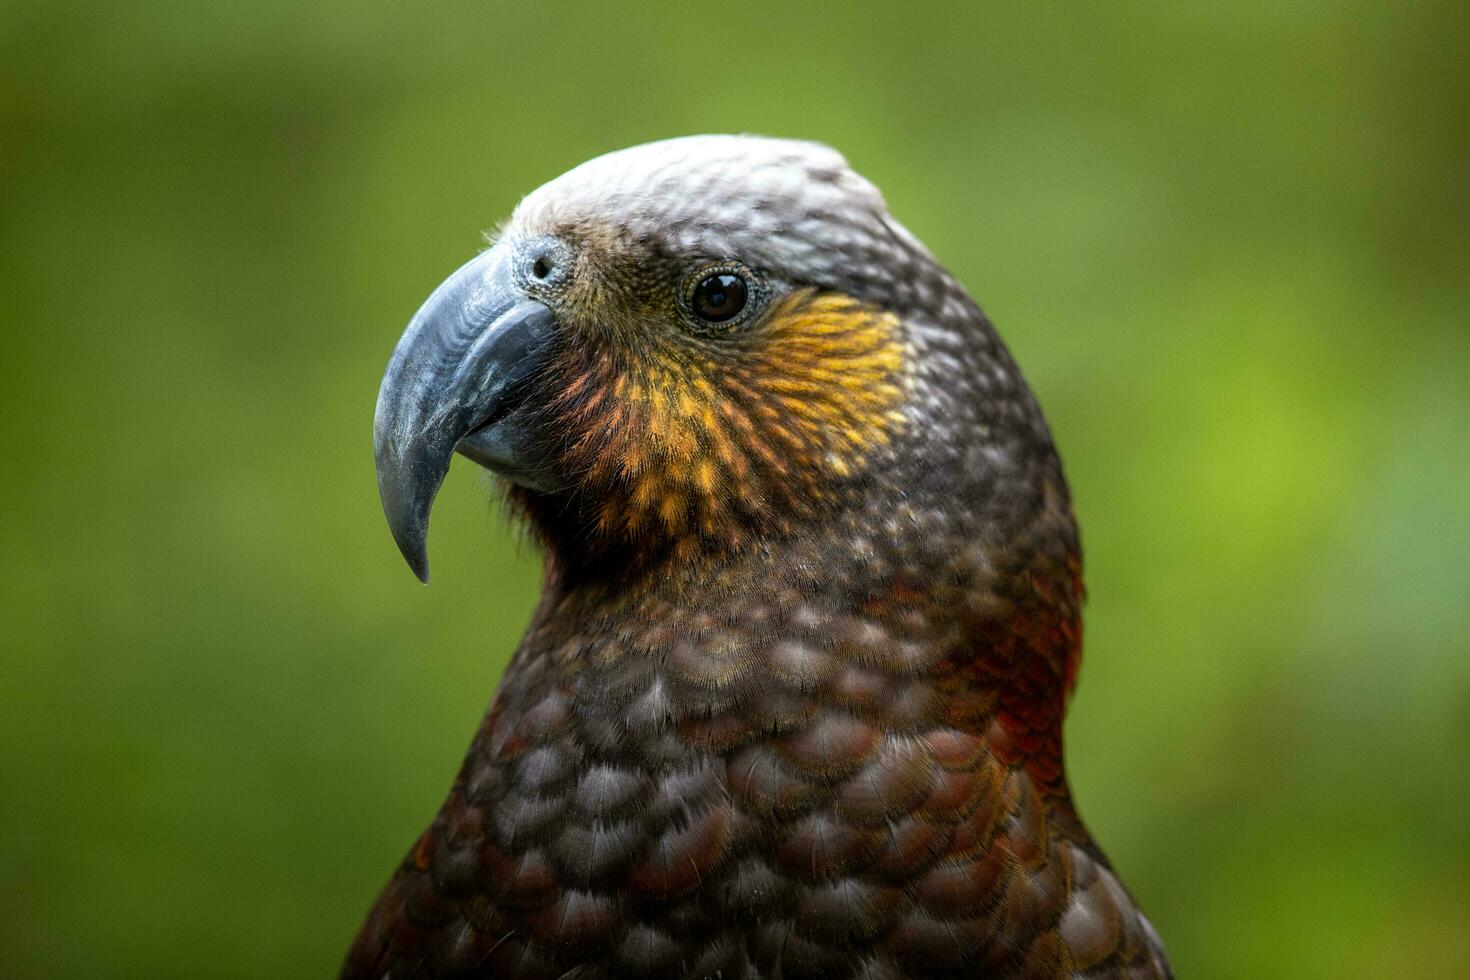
<point x="719" y="297"/>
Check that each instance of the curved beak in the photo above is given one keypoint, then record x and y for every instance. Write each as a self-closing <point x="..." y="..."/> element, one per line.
<point x="450" y="385"/>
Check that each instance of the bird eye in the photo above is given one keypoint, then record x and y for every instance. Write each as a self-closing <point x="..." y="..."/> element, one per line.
<point x="719" y="297"/>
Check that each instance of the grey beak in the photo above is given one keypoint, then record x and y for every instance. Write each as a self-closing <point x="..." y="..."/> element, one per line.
<point x="465" y="355"/>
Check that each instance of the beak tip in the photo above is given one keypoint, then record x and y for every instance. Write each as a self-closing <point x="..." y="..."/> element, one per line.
<point x="418" y="563"/>
<point x="412" y="538"/>
<point x="407" y="499"/>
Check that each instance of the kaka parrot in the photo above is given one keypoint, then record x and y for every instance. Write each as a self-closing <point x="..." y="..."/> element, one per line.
<point x="790" y="705"/>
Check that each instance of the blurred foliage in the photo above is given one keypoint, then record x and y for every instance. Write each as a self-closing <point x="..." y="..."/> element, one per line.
<point x="1227" y="242"/>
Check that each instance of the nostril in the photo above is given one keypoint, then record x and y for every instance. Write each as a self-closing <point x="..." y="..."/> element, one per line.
<point x="541" y="268"/>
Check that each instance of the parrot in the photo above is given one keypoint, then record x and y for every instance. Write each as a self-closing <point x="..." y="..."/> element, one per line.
<point x="790" y="703"/>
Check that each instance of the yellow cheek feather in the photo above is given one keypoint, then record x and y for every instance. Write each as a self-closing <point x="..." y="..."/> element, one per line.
<point x="719" y="440"/>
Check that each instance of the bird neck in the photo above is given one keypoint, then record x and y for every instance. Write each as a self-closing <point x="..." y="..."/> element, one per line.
<point x="916" y="619"/>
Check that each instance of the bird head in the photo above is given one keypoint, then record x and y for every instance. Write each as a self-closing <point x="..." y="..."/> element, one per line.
<point x="696" y="346"/>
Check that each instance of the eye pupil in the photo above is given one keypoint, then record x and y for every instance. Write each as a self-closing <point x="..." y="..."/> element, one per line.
<point x="719" y="297"/>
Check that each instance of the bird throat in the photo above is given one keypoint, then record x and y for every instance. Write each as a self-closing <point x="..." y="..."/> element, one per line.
<point x="816" y="654"/>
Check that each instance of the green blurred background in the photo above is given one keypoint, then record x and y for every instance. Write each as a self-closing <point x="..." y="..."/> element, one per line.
<point x="1227" y="243"/>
